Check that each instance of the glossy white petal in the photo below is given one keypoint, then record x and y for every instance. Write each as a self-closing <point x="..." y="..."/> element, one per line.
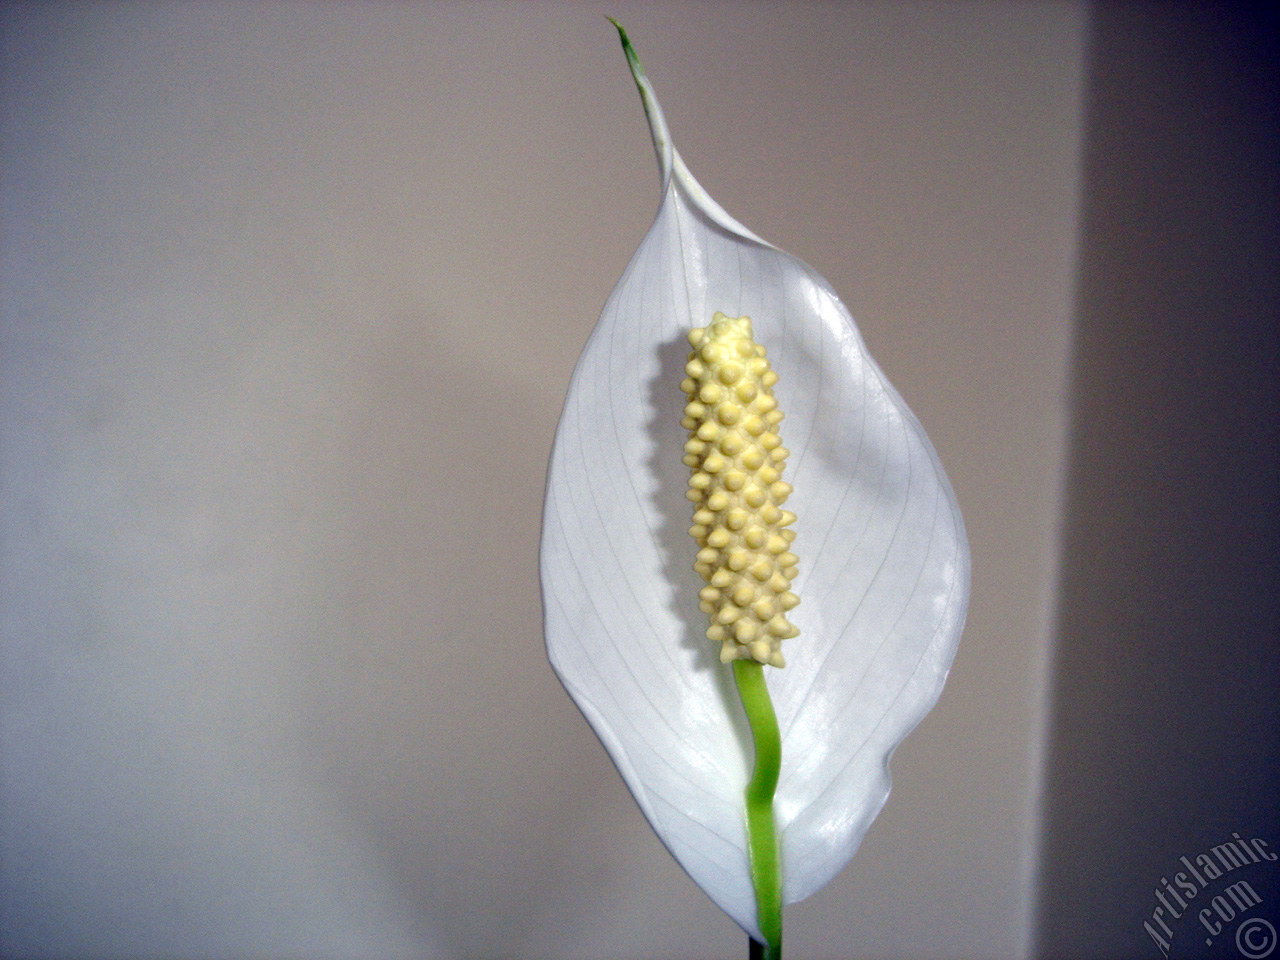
<point x="884" y="564"/>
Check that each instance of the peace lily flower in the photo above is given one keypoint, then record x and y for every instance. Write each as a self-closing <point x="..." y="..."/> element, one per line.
<point x="880" y="565"/>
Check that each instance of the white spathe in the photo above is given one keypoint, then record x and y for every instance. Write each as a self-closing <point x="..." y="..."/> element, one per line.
<point x="884" y="563"/>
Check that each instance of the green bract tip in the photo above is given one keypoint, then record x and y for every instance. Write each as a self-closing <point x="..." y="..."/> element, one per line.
<point x="637" y="70"/>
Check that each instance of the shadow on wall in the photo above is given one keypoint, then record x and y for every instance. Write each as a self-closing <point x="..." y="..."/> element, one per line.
<point x="1165" y="717"/>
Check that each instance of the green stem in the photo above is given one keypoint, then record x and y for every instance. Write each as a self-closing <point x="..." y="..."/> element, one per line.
<point x="762" y="838"/>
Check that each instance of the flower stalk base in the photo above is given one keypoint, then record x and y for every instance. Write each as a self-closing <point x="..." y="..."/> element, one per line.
<point x="762" y="837"/>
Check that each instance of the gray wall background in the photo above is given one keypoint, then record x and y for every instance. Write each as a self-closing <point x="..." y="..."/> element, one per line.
<point x="291" y="296"/>
<point x="1166" y="655"/>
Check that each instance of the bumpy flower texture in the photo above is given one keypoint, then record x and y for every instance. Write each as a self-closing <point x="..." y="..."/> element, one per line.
<point x="738" y="490"/>
<point x="878" y="599"/>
